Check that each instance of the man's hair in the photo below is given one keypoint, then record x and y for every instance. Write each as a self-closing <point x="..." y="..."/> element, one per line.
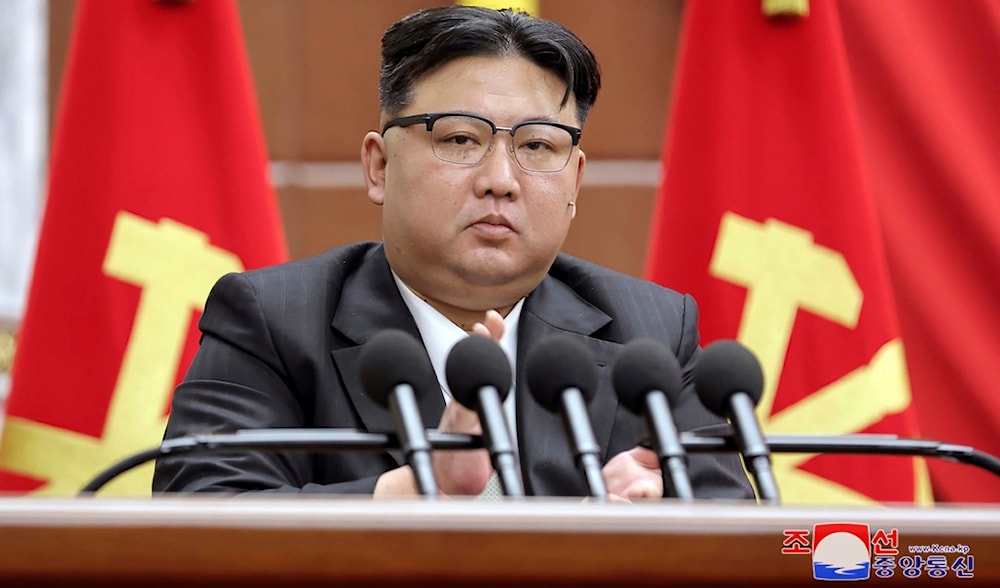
<point x="429" y="38"/>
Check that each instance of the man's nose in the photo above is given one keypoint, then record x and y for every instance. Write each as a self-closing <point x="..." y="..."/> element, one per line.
<point x="498" y="173"/>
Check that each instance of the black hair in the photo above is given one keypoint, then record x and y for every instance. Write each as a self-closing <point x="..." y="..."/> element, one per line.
<point x="429" y="38"/>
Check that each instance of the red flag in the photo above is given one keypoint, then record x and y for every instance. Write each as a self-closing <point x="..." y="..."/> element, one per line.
<point x="765" y="215"/>
<point x="927" y="83"/>
<point x="157" y="187"/>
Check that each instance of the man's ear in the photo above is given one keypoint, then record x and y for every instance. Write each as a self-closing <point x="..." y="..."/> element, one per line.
<point x="373" y="161"/>
<point x="581" y="164"/>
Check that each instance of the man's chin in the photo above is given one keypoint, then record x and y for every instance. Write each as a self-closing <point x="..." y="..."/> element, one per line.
<point x="493" y="272"/>
<point x="489" y="267"/>
<point x="490" y="279"/>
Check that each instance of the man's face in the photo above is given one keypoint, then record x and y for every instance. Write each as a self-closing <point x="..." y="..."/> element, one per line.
<point x="474" y="236"/>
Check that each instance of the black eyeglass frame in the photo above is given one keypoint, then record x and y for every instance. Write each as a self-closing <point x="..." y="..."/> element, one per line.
<point x="429" y="118"/>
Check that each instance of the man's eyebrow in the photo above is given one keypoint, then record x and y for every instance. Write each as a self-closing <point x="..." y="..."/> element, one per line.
<point x="544" y="117"/>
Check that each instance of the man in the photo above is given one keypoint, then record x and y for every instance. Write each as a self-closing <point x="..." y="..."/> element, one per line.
<point x="477" y="170"/>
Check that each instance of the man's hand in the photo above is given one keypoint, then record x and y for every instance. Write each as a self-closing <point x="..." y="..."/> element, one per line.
<point x="461" y="473"/>
<point x="466" y="472"/>
<point x="492" y="326"/>
<point x="633" y="474"/>
<point x="457" y="472"/>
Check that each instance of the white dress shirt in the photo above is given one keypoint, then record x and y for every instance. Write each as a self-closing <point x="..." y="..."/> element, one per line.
<point x="440" y="335"/>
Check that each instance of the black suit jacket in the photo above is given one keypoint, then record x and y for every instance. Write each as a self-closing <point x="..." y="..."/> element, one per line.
<point x="280" y="348"/>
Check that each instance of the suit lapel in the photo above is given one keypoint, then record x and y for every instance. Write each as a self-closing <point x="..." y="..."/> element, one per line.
<point x="370" y="303"/>
<point x="546" y="457"/>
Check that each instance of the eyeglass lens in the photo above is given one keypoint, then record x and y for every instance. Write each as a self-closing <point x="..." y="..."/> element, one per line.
<point x="466" y="140"/>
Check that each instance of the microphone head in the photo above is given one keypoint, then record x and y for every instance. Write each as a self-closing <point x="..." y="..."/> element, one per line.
<point x="558" y="362"/>
<point x="723" y="369"/>
<point x="642" y="366"/>
<point x="391" y="358"/>
<point x="475" y="362"/>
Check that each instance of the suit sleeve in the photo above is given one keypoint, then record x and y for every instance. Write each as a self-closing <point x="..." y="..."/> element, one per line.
<point x="238" y="380"/>
<point x="712" y="475"/>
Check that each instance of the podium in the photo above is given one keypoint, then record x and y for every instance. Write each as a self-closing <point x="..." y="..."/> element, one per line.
<point x="340" y="541"/>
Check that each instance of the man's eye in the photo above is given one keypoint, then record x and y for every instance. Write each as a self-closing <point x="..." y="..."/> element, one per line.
<point x="460" y="140"/>
<point x="536" y="146"/>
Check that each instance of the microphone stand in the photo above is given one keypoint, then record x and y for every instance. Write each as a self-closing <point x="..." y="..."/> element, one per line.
<point x="315" y="440"/>
<point x="851" y="444"/>
<point x="323" y="440"/>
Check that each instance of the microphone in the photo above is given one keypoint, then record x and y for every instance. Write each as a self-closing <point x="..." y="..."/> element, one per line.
<point x="730" y="382"/>
<point x="562" y="375"/>
<point x="647" y="378"/>
<point x="478" y="374"/>
<point x="390" y="362"/>
<point x="333" y="440"/>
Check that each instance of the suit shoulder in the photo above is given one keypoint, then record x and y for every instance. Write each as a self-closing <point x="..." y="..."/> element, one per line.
<point x="590" y="279"/>
<point x="637" y="307"/>
<point x="300" y="285"/>
<point x="331" y="263"/>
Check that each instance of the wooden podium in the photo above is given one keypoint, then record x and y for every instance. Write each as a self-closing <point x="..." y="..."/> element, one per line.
<point x="199" y="541"/>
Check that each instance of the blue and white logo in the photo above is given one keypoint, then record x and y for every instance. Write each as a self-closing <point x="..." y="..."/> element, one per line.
<point x="841" y="551"/>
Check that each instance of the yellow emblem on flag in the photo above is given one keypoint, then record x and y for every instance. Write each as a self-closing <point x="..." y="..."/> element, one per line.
<point x="529" y="6"/>
<point x="807" y="277"/>
<point x="785" y="7"/>
<point x="175" y="266"/>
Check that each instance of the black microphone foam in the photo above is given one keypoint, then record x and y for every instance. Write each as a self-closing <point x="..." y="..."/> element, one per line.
<point x="391" y="358"/>
<point x="647" y="378"/>
<point x="479" y="378"/>
<point x="644" y="365"/>
<point x="562" y="376"/>
<point x="557" y="363"/>
<point x="393" y="363"/>
<point x="730" y="381"/>
<point x="724" y="368"/>
<point x="475" y="362"/>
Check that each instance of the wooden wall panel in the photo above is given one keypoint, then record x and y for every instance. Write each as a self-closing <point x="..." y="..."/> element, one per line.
<point x="275" y="51"/>
<point x="60" y="26"/>
<point x="635" y="42"/>
<point x="611" y="227"/>
<point x="317" y="219"/>
<point x="340" y="91"/>
<point x="315" y="67"/>
<point x="315" y="64"/>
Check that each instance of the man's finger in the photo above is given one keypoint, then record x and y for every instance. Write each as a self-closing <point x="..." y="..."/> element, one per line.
<point x="492" y="326"/>
<point x="644" y="489"/>
<point x="494" y="323"/>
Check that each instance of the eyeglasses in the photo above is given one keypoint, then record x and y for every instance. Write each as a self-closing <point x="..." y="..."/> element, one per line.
<point x="466" y="139"/>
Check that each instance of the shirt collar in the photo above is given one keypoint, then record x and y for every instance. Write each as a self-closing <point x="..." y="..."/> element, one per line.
<point x="440" y="334"/>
